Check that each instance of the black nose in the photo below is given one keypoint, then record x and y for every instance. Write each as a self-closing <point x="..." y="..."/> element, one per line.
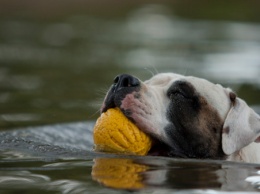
<point x="124" y="81"/>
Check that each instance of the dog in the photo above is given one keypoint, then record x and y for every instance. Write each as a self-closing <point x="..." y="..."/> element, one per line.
<point x="188" y="117"/>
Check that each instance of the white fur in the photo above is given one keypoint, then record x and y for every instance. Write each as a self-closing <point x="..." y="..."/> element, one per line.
<point x="243" y="126"/>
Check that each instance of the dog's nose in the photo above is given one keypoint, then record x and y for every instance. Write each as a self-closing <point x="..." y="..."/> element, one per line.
<point x="125" y="80"/>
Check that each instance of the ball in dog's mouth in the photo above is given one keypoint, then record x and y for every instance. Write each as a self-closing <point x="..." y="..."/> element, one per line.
<point x="115" y="133"/>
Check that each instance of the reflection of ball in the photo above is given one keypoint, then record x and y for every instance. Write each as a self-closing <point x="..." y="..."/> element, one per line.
<point x="119" y="173"/>
<point x="115" y="133"/>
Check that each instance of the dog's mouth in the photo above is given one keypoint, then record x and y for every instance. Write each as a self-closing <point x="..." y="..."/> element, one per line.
<point x="125" y="95"/>
<point x="158" y="148"/>
<point x="117" y="100"/>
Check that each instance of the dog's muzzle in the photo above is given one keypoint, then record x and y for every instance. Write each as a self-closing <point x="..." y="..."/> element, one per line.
<point x="123" y="84"/>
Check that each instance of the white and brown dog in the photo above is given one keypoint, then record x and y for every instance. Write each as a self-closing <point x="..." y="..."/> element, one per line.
<point x="188" y="117"/>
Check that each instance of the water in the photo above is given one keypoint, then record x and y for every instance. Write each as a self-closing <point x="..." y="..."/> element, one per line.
<point x="58" y="158"/>
<point x="56" y="68"/>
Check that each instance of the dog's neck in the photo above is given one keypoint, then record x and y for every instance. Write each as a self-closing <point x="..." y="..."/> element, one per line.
<point x="248" y="154"/>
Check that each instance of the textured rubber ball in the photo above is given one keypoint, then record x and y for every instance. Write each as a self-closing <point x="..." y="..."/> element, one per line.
<point x="115" y="133"/>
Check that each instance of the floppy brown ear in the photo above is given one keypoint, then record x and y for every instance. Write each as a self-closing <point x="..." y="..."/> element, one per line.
<point x="241" y="127"/>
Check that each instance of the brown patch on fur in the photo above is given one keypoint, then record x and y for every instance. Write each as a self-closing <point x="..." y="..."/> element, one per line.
<point x="257" y="140"/>
<point x="210" y="125"/>
<point x="232" y="97"/>
<point x="226" y="130"/>
<point x="197" y="126"/>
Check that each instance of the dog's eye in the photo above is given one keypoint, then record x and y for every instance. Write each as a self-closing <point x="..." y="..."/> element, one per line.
<point x="176" y="94"/>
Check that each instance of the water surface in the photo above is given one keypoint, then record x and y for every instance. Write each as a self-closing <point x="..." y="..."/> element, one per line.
<point x="58" y="158"/>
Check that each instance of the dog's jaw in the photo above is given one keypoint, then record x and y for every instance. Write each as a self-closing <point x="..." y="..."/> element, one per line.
<point x="139" y="112"/>
<point x="144" y="113"/>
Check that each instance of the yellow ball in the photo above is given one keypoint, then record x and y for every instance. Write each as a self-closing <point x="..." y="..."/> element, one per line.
<point x="115" y="133"/>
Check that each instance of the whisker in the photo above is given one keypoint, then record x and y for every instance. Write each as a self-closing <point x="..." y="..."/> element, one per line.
<point x="148" y="70"/>
<point x="153" y="72"/>
<point x="156" y="70"/>
<point x="98" y="103"/>
<point x="94" y="114"/>
<point x="102" y="91"/>
<point x="187" y="68"/>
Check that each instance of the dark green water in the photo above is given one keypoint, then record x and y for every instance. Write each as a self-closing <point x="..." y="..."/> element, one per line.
<point x="58" y="60"/>
<point x="56" y="67"/>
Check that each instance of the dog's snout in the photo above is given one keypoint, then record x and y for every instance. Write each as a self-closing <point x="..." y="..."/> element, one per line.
<point x="125" y="80"/>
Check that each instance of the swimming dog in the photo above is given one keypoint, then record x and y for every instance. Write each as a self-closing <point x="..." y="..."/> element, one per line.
<point x="188" y="117"/>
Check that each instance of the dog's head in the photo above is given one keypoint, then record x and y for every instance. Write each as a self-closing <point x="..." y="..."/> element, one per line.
<point x="186" y="116"/>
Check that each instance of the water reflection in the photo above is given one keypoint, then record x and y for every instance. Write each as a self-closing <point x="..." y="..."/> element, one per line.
<point x="115" y="174"/>
<point x="21" y="177"/>
<point x="31" y="159"/>
<point x="254" y="180"/>
<point x="134" y="174"/>
<point x="119" y="173"/>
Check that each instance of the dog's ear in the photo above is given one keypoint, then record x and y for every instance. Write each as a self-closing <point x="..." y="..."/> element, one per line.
<point x="241" y="127"/>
